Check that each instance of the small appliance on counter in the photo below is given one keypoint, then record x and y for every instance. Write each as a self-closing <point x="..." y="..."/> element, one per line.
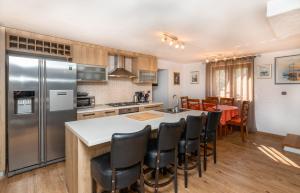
<point x="85" y="101"/>
<point x="141" y="97"/>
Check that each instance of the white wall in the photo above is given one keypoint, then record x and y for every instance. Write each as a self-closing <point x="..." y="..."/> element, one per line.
<point x="193" y="90"/>
<point x="160" y="92"/>
<point x="276" y="113"/>
<point x="185" y="88"/>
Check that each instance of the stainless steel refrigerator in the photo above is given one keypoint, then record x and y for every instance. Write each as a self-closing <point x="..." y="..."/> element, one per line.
<point x="40" y="99"/>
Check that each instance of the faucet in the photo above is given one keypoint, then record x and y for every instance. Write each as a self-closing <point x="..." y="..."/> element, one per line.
<point x="176" y="103"/>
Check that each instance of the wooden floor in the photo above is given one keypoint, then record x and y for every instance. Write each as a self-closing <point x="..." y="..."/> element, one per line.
<point x="259" y="165"/>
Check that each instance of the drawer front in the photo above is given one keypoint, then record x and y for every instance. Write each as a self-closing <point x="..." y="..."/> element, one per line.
<point x="110" y="113"/>
<point x="152" y="107"/>
<point x="91" y="115"/>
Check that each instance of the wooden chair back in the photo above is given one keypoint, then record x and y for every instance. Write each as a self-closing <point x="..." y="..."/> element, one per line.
<point x="194" y="104"/>
<point x="216" y="99"/>
<point x="208" y="104"/>
<point x="227" y="101"/>
<point x="184" y="102"/>
<point x="245" y="113"/>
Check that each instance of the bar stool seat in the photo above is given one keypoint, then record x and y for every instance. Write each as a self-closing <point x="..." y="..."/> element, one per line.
<point x="102" y="173"/>
<point x="166" y="157"/>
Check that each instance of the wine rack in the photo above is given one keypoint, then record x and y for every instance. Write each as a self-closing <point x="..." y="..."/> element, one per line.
<point x="36" y="46"/>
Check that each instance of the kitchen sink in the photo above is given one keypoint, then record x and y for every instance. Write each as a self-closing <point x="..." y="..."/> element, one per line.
<point x="172" y="111"/>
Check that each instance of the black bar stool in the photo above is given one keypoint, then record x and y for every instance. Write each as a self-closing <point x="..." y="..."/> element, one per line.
<point x="189" y="145"/>
<point x="123" y="166"/>
<point x="210" y="135"/>
<point x="162" y="153"/>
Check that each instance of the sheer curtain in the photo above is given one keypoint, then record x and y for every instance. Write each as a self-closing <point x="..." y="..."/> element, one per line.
<point x="232" y="78"/>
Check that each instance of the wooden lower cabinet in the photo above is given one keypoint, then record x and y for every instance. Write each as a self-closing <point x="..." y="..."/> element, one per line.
<point x="151" y="107"/>
<point x="96" y="114"/>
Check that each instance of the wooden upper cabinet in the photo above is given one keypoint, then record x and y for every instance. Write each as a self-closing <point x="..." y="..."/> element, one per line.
<point x="87" y="54"/>
<point x="145" y="68"/>
<point x="144" y="63"/>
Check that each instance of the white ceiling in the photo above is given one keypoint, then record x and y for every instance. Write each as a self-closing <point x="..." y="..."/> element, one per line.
<point x="208" y="27"/>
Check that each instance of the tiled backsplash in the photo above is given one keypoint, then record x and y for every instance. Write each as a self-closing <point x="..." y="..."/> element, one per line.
<point x="115" y="90"/>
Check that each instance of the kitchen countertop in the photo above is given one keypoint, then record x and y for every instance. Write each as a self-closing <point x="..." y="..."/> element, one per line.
<point x="107" y="107"/>
<point x="99" y="130"/>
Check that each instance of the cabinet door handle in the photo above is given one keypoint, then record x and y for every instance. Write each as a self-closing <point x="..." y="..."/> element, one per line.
<point x="90" y="114"/>
<point x="151" y="107"/>
<point x="107" y="112"/>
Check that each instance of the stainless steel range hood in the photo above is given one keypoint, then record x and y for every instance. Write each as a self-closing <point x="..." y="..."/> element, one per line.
<point x="119" y="71"/>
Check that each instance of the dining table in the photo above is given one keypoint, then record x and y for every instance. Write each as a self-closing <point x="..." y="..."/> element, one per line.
<point x="228" y="112"/>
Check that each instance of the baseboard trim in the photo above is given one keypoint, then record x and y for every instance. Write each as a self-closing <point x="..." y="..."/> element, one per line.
<point x="270" y="134"/>
<point x="291" y="149"/>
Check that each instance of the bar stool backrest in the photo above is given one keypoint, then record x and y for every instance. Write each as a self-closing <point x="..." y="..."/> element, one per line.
<point x="194" y="126"/>
<point x="169" y="135"/>
<point x="128" y="149"/>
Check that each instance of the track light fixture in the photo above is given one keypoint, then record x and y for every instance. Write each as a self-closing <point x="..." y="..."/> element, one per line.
<point x="172" y="40"/>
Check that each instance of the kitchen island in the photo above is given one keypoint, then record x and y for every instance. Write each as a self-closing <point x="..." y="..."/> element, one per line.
<point x="86" y="139"/>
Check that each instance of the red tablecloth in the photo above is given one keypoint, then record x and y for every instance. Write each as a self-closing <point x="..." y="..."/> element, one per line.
<point x="228" y="112"/>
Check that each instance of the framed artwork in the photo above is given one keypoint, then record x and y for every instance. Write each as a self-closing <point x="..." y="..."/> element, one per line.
<point x="176" y="78"/>
<point x="195" y="77"/>
<point x="287" y="69"/>
<point x="264" y="71"/>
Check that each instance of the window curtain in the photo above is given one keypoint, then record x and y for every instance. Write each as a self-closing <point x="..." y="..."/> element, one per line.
<point x="232" y="78"/>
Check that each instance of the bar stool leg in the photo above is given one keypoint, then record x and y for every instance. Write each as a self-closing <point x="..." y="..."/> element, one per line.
<point x="185" y="170"/>
<point x="215" y="150"/>
<point x="175" y="172"/>
<point x="94" y="186"/>
<point x="199" y="162"/>
<point x="205" y="155"/>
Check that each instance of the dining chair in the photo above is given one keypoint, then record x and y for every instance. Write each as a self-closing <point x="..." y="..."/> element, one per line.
<point x="209" y="105"/>
<point x="242" y="120"/>
<point x="214" y="98"/>
<point x="184" y="102"/>
<point x="227" y="101"/>
<point x="123" y="166"/>
<point x="162" y="153"/>
<point x="194" y="104"/>
<point x="189" y="145"/>
<point x="210" y="136"/>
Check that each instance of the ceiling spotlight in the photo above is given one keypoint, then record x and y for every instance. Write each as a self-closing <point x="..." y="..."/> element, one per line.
<point x="216" y="60"/>
<point x="234" y="57"/>
<point x="207" y="60"/>
<point x="225" y="58"/>
<point x="172" y="40"/>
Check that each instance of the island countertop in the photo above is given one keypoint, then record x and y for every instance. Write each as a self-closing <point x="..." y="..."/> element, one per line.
<point x="99" y="130"/>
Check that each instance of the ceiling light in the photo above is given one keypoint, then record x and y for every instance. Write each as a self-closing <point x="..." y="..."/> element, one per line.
<point x="216" y="60"/>
<point x="172" y="40"/>
<point x="207" y="60"/>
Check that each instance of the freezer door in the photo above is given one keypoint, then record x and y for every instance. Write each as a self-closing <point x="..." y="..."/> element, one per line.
<point x="22" y="113"/>
<point x="60" y="93"/>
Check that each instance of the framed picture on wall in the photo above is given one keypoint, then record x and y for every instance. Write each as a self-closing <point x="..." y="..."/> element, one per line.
<point x="195" y="77"/>
<point x="287" y="69"/>
<point x="264" y="71"/>
<point x="176" y="78"/>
